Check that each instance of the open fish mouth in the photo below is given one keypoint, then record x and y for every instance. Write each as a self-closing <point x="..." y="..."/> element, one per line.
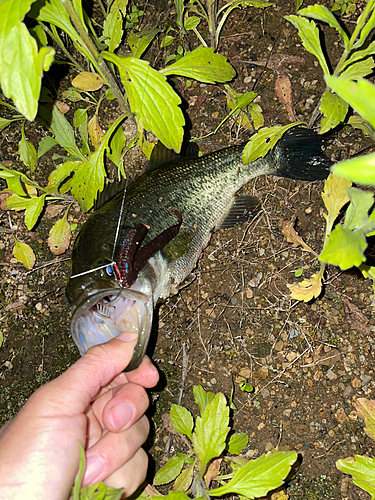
<point x="106" y="313"/>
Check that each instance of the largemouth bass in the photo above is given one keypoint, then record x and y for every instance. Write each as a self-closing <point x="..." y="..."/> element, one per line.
<point x="162" y="223"/>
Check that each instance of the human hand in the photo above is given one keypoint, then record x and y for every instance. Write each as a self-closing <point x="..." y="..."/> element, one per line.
<point x="93" y="403"/>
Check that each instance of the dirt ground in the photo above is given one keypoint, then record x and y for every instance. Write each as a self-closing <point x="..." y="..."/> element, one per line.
<point x="308" y="363"/>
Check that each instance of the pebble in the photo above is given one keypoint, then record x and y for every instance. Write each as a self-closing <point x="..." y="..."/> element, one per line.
<point x="341" y="416"/>
<point x="261" y="426"/>
<point x="279" y="346"/>
<point x="265" y="393"/>
<point x="348" y="392"/>
<point x="365" y="379"/>
<point x="356" y="383"/>
<point x="287" y="412"/>
<point x="268" y="447"/>
<point x="331" y="375"/>
<point x="38" y="306"/>
<point x="362" y="358"/>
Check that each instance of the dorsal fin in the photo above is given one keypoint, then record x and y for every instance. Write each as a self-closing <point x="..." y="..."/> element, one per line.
<point x="110" y="191"/>
<point x="161" y="155"/>
<point x="243" y="208"/>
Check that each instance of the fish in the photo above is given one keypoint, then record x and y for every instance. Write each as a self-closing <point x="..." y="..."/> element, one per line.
<point x="139" y="246"/>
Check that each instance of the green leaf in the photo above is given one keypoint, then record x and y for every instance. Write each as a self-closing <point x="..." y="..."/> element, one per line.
<point x="368" y="272"/>
<point x="202" y="64"/>
<point x="90" y="174"/>
<point x="59" y="236"/>
<point x="334" y="110"/>
<point x="112" y="30"/>
<point x="334" y="198"/>
<point x="16" y="202"/>
<point x="80" y="121"/>
<point x="170" y="471"/>
<point x="167" y="40"/>
<point x="24" y="254"/>
<point x="116" y="146"/>
<point x="237" y="443"/>
<point x="367" y="28"/>
<point x="357" y="212"/>
<point x="182" y="420"/>
<point x="4" y="122"/>
<point x="21" y="65"/>
<point x="61" y="173"/>
<point x="45" y="145"/>
<point x="202" y="398"/>
<point x="259" y="476"/>
<point x="366" y="411"/>
<point x="345" y="248"/>
<point x="298" y="4"/>
<point x="359" y="54"/>
<point x="152" y="99"/>
<point x="356" y="94"/>
<point x="138" y="42"/>
<point x="39" y="34"/>
<point x="211" y="431"/>
<point x="183" y="481"/>
<point x="360" y="170"/>
<point x="358" y="122"/>
<point x="309" y="34"/>
<point x="321" y="13"/>
<point x="33" y="210"/>
<point x="362" y="469"/>
<point x="359" y="69"/>
<point x="27" y="151"/>
<point x="191" y="22"/>
<point x="263" y="141"/>
<point x="177" y="495"/>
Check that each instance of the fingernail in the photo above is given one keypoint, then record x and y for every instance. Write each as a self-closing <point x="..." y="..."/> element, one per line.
<point x="121" y="414"/>
<point x="94" y="466"/>
<point x="128" y="336"/>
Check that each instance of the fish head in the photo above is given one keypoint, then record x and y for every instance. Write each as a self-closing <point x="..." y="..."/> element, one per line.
<point x="101" y="309"/>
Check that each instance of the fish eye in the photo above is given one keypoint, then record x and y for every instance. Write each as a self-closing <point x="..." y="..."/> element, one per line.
<point x="109" y="270"/>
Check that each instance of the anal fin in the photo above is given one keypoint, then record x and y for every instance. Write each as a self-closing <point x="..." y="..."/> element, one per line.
<point x="243" y="208"/>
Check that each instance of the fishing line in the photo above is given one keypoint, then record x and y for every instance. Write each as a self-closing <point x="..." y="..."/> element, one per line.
<point x="93" y="270"/>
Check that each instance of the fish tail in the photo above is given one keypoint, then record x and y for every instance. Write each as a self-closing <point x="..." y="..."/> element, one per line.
<point x="298" y="155"/>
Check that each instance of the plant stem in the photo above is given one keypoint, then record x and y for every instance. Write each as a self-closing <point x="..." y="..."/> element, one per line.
<point x="52" y="33"/>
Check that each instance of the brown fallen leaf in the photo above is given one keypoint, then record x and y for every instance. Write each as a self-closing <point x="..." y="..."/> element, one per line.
<point x="95" y="131"/>
<point x="278" y="62"/>
<point x="357" y="320"/>
<point x="308" y="289"/>
<point x="292" y="236"/>
<point x="52" y="211"/>
<point x="3" y="197"/>
<point x="88" y="81"/>
<point x="283" y="89"/>
<point x="62" y="107"/>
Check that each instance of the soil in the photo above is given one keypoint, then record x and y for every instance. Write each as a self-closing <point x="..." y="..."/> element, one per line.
<point x="308" y="363"/>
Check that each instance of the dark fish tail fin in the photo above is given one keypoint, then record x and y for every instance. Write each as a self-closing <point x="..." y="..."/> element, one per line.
<point x="298" y="155"/>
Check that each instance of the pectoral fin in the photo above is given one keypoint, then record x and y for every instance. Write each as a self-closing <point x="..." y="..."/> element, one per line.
<point x="243" y="208"/>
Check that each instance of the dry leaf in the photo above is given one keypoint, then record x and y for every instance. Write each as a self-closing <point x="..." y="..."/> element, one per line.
<point x="308" y="289"/>
<point x="52" y="211"/>
<point x="62" y="107"/>
<point x="279" y="62"/>
<point x="283" y="89"/>
<point x="88" y="81"/>
<point x="357" y="320"/>
<point x="95" y="131"/>
<point x="334" y="197"/>
<point x="31" y="190"/>
<point x="366" y="411"/>
<point x="292" y="236"/>
<point x="212" y="471"/>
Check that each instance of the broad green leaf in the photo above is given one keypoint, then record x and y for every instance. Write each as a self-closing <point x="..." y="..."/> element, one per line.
<point x="112" y="30"/>
<point x="45" y="144"/>
<point x="61" y="129"/>
<point x="368" y="272"/>
<point x="116" y="146"/>
<point x="182" y="420"/>
<point x="183" y="481"/>
<point x="202" y="398"/>
<point x="359" y="54"/>
<point x="360" y="170"/>
<point x="357" y="212"/>
<point x="152" y="99"/>
<point x="191" y="22"/>
<point x="61" y="173"/>
<point x="345" y="248"/>
<point x="59" y="236"/>
<point x="334" y="110"/>
<point x="367" y="28"/>
<point x="307" y="289"/>
<point x="16" y="202"/>
<point x="211" y="431"/>
<point x="298" y="4"/>
<point x="177" y="495"/>
<point x="358" y="122"/>
<point x="366" y="411"/>
<point x="167" y="41"/>
<point x="309" y="34"/>
<point x="39" y="34"/>
<point x="21" y="65"/>
<point x="321" y="13"/>
<point x="362" y="468"/>
<point x="169" y="471"/>
<point x="90" y="174"/>
<point x="356" y="94"/>
<point x="256" y="114"/>
<point x="259" y="476"/>
<point x="334" y="198"/>
<point x="263" y="141"/>
<point x="202" y="64"/>
<point x="121" y="5"/>
<point x="80" y="121"/>
<point x="138" y="42"/>
<point x="237" y="443"/>
<point x="179" y="5"/>
<point x="23" y="253"/>
<point x="33" y="211"/>
<point x="359" y="69"/>
<point x="73" y="95"/>
<point x="88" y="81"/>
<point x="27" y="151"/>
<point x="15" y="185"/>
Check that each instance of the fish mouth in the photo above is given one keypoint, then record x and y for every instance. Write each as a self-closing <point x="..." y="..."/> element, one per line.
<point x="104" y="314"/>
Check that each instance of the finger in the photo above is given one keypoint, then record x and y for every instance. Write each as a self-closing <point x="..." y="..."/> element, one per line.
<point x="113" y="450"/>
<point x="131" y="475"/>
<point x="145" y="375"/>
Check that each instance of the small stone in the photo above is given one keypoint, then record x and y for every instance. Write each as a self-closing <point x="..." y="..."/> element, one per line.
<point x="361" y="358"/>
<point x="262" y="373"/>
<point x="293" y="404"/>
<point x="244" y="372"/>
<point x="331" y="433"/>
<point x="341" y="416"/>
<point x="356" y="383"/>
<point x="318" y="376"/>
<point x="279" y="346"/>
<point x="348" y="392"/>
<point x="287" y="412"/>
<point x="268" y="447"/>
<point x="213" y="381"/>
<point x="291" y="356"/>
<point x="261" y="426"/>
<point x="38" y="306"/>
<point x="249" y="293"/>
<point x="265" y="393"/>
<point x="331" y="375"/>
<point x="365" y="379"/>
